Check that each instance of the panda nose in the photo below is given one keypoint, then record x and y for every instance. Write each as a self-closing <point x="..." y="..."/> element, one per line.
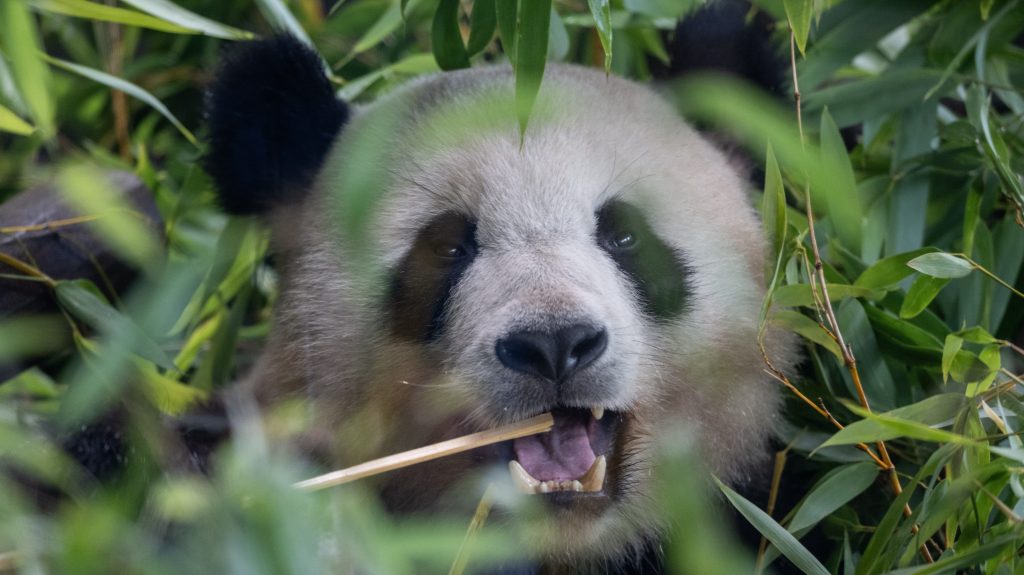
<point x="553" y="356"/>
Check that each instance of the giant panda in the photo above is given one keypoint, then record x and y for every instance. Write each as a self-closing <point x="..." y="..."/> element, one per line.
<point x="444" y="272"/>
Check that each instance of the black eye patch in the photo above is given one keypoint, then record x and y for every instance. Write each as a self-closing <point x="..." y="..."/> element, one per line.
<point x="422" y="283"/>
<point x="659" y="272"/>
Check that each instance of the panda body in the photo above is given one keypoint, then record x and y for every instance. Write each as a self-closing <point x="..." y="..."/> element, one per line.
<point x="443" y="274"/>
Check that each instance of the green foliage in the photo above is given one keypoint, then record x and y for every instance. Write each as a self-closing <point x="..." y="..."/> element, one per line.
<point x="908" y="148"/>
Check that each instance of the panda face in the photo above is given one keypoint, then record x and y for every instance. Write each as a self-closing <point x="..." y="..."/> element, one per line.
<point x="605" y="267"/>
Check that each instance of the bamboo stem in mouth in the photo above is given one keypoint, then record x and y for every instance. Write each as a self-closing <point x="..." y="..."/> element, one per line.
<point x="539" y="424"/>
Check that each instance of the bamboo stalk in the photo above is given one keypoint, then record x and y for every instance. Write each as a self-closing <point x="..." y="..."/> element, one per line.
<point x="483" y="509"/>
<point x="539" y="424"/>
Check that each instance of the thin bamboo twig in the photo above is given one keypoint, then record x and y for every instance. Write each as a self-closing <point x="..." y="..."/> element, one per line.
<point x="483" y="509"/>
<point x="27" y="269"/>
<point x="773" y="495"/>
<point x="539" y="424"/>
<point x="52" y="225"/>
<point x="848" y="358"/>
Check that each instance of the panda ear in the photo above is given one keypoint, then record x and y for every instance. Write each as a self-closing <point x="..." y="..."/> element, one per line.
<point x="272" y="116"/>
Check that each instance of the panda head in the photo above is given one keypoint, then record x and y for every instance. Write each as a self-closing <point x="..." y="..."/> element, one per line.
<point x="443" y="274"/>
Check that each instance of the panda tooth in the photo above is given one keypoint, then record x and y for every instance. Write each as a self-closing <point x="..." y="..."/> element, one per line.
<point x="593" y="479"/>
<point x="545" y="487"/>
<point x="522" y="478"/>
<point x="597" y="412"/>
<point x="576" y="485"/>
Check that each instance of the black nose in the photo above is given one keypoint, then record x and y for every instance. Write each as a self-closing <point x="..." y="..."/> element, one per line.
<point x="553" y="356"/>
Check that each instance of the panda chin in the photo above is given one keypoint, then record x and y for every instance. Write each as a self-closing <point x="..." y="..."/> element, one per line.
<point x="569" y="463"/>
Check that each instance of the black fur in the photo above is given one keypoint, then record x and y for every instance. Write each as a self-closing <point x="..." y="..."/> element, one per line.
<point x="659" y="273"/>
<point x="728" y="37"/>
<point x="423" y="282"/>
<point x="273" y="117"/>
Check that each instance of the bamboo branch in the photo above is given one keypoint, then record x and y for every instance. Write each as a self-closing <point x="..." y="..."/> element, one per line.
<point x="483" y="509"/>
<point x="539" y="424"/>
<point x="833" y="323"/>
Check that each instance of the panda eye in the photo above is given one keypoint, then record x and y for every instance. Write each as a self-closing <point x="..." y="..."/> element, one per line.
<point x="622" y="240"/>
<point x="450" y="251"/>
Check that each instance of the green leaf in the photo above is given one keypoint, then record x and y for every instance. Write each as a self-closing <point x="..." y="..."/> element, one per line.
<point x="20" y="39"/>
<point x="126" y="87"/>
<point x="836" y="490"/>
<point x="889" y="271"/>
<point x="921" y="293"/>
<point x="855" y="101"/>
<point x="869" y="561"/>
<point x="808" y="328"/>
<point x="950" y="348"/>
<point x="281" y="19"/>
<point x="506" y="13"/>
<point x="773" y="206"/>
<point x="800" y="294"/>
<point x="95" y="11"/>
<point x="798" y="13"/>
<point x="171" y="12"/>
<point x="482" y="24"/>
<point x="169" y="395"/>
<point x="782" y="540"/>
<point x="912" y="421"/>
<point x="531" y="55"/>
<point x="10" y="122"/>
<point x="601" y="10"/>
<point x="79" y="298"/>
<point x="941" y="265"/>
<point x="446" y="37"/>
<point x="413" y="65"/>
<point x="558" y="37"/>
<point x="388" y="22"/>
<point x="838" y="186"/>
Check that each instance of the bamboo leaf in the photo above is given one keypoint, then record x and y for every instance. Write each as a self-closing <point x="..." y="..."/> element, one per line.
<point x="838" y="186"/>
<point x="772" y="531"/>
<point x="531" y="55"/>
<point x="506" y="13"/>
<point x="800" y="294"/>
<point x="126" y="87"/>
<point x="950" y="348"/>
<point x="446" y="37"/>
<point x="921" y="293"/>
<point x="832" y="493"/>
<point x="482" y="24"/>
<point x="798" y="13"/>
<point x="889" y="271"/>
<point x="20" y="39"/>
<point x="79" y="298"/>
<point x="10" y="122"/>
<point x="807" y="328"/>
<point x="773" y="205"/>
<point x="912" y="421"/>
<point x="282" y="19"/>
<point x="171" y="12"/>
<point x="941" y="265"/>
<point x="601" y="10"/>
<point x="95" y="11"/>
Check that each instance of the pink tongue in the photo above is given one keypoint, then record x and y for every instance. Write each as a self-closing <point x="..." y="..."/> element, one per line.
<point x="561" y="454"/>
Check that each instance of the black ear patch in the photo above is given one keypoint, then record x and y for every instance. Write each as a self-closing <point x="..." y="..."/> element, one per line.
<point x="273" y="116"/>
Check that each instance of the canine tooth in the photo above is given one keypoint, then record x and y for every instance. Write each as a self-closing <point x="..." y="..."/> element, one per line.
<point x="598" y="412"/>
<point x="522" y="478"/>
<point x="593" y="479"/>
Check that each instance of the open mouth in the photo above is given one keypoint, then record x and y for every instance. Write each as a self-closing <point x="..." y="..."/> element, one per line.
<point x="572" y="457"/>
